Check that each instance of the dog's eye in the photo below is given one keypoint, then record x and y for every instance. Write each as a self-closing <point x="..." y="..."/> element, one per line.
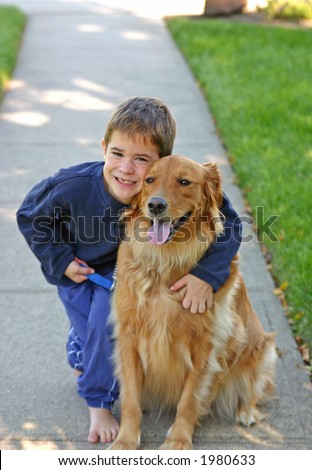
<point x="149" y="180"/>
<point x="184" y="182"/>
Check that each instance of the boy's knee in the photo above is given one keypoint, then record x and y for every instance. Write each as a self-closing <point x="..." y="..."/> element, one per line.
<point x="99" y="312"/>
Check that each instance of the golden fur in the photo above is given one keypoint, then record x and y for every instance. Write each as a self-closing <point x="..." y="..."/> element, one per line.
<point x="220" y="360"/>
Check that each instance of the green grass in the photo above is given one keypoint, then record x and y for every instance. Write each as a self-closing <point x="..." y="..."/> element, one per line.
<point x="257" y="80"/>
<point x="12" y="22"/>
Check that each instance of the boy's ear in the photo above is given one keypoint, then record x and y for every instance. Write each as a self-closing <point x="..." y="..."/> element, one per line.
<point x="103" y="146"/>
<point x="213" y="189"/>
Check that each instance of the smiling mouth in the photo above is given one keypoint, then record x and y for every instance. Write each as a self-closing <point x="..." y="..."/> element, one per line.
<point x="162" y="230"/>
<point x="125" y="182"/>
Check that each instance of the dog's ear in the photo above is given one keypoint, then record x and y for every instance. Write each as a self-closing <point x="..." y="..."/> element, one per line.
<point x="213" y="189"/>
<point x="132" y="210"/>
<point x="136" y="203"/>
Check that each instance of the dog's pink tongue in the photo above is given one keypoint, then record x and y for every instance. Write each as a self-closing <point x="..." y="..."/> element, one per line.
<point x="158" y="232"/>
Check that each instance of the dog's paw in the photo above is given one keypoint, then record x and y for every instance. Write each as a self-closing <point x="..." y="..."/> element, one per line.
<point x="249" y="417"/>
<point x="176" y="445"/>
<point x="120" y="444"/>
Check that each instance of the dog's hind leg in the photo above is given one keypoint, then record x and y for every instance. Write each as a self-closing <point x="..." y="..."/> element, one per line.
<point x="249" y="415"/>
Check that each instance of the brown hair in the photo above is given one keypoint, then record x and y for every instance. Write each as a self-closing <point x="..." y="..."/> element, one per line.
<point x="147" y="117"/>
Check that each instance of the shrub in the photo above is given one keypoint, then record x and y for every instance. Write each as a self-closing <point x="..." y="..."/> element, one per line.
<point x="290" y="9"/>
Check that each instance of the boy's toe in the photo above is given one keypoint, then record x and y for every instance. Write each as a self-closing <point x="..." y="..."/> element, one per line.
<point x="109" y="435"/>
<point x="106" y="436"/>
<point x="93" y="437"/>
<point x="114" y="434"/>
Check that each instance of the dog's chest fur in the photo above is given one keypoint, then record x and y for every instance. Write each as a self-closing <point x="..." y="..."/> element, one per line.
<point x="166" y="336"/>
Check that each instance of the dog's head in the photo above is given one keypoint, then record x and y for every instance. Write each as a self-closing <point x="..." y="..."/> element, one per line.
<point x="180" y="197"/>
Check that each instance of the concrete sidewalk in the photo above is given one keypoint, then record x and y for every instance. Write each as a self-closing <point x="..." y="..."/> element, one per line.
<point x="78" y="60"/>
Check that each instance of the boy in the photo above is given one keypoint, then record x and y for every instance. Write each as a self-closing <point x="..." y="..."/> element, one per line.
<point x="70" y="221"/>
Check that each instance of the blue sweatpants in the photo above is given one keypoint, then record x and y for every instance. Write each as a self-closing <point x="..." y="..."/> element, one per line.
<point x="90" y="344"/>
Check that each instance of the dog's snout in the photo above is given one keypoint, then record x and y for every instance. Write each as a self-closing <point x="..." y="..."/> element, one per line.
<point x="157" y="205"/>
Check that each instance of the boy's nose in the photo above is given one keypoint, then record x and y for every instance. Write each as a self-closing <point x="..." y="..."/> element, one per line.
<point x="127" y="166"/>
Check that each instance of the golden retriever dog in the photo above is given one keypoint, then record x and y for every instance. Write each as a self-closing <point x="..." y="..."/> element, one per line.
<point x="220" y="360"/>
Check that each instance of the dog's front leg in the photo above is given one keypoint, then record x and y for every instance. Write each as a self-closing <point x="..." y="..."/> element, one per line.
<point x="131" y="381"/>
<point x="179" y="436"/>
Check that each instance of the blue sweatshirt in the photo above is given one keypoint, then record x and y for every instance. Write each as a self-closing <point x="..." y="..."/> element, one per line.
<point x="70" y="214"/>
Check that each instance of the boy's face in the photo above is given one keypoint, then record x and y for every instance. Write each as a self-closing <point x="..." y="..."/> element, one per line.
<point x="126" y="163"/>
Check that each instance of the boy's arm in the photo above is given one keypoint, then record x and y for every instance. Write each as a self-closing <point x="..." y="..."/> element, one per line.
<point x="38" y="221"/>
<point x="213" y="269"/>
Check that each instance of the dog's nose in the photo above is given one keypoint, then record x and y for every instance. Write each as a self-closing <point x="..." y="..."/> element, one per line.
<point x="157" y="205"/>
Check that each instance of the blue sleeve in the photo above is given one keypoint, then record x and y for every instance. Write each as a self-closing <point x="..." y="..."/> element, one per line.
<point x="38" y="222"/>
<point x="214" y="267"/>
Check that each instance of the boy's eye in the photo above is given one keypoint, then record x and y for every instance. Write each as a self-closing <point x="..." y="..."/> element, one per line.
<point x="184" y="182"/>
<point x="142" y="159"/>
<point x="149" y="180"/>
<point x="117" y="154"/>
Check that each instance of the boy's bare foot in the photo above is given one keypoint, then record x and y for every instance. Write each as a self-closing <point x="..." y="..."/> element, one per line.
<point x="103" y="426"/>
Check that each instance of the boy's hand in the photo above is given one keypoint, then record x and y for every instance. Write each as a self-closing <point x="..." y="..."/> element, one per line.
<point x="198" y="296"/>
<point x="76" y="272"/>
